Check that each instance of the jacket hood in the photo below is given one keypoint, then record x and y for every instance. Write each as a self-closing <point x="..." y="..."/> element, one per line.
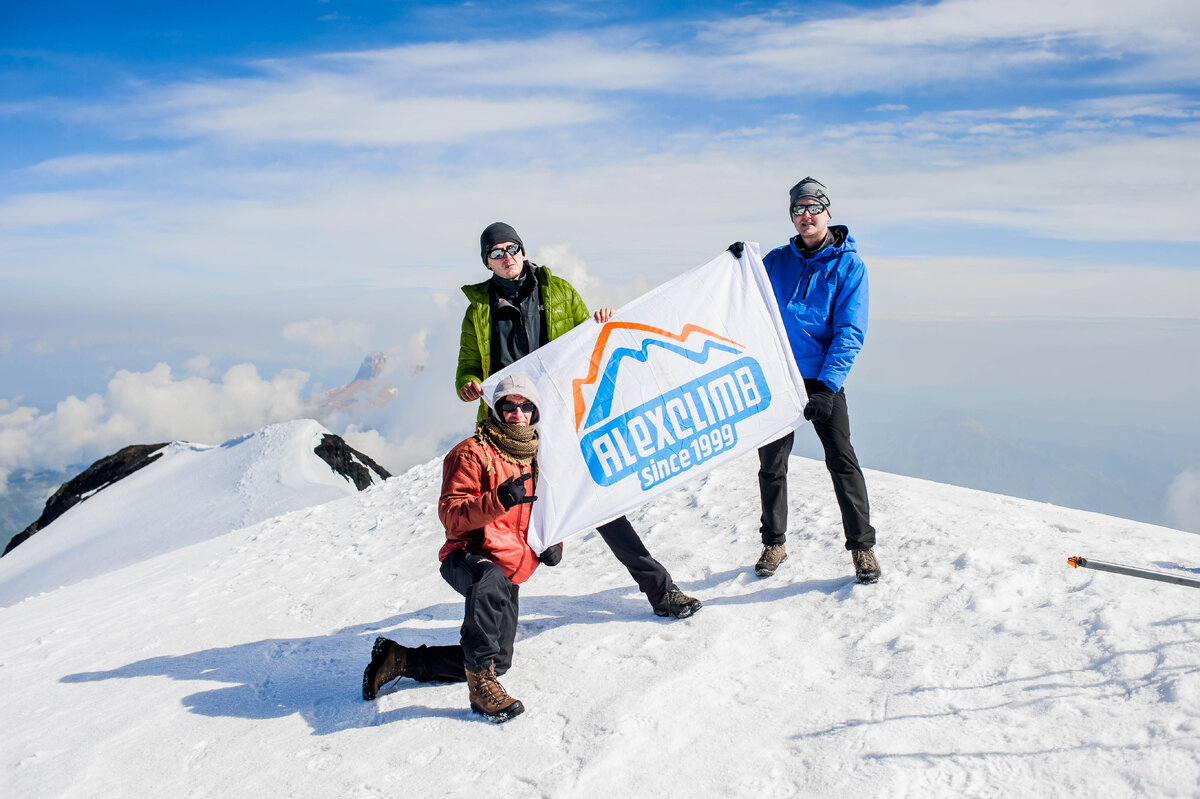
<point x="842" y="241"/>
<point x="522" y="385"/>
<point x="478" y="292"/>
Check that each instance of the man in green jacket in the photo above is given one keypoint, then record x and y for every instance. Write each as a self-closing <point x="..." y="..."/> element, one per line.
<point x="518" y="309"/>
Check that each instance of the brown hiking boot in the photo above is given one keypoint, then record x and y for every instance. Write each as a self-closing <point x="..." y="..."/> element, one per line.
<point x="677" y="605"/>
<point x="772" y="555"/>
<point x="488" y="697"/>
<point x="388" y="662"/>
<point x="866" y="567"/>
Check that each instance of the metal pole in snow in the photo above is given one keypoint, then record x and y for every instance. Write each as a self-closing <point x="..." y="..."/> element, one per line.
<point x="1146" y="574"/>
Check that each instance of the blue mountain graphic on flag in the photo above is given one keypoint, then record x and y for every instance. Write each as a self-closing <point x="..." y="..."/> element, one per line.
<point x="602" y="402"/>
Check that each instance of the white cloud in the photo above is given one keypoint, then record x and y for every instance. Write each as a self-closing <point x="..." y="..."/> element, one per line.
<point x="444" y="92"/>
<point x="954" y="41"/>
<point x="1183" y="501"/>
<point x="325" y="335"/>
<point x="565" y="262"/>
<point x="609" y="59"/>
<point x="199" y="366"/>
<point x="82" y="165"/>
<point x="568" y="265"/>
<point x="47" y="209"/>
<point x="147" y="407"/>
<point x="160" y="405"/>
<point x="1019" y="287"/>
<point x="414" y="354"/>
<point x="311" y="107"/>
<point x="395" y="456"/>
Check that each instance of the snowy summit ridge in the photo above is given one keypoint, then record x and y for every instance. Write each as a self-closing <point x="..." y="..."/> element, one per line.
<point x="146" y="500"/>
<point x="981" y="664"/>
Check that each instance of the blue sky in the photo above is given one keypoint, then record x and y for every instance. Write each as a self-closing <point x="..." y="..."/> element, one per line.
<point x="283" y="187"/>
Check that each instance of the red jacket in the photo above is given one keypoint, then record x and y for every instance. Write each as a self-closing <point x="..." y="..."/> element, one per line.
<point x="473" y="516"/>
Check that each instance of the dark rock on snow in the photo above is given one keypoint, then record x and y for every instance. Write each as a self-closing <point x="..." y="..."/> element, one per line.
<point x="103" y="472"/>
<point x="349" y="462"/>
<point x="341" y="457"/>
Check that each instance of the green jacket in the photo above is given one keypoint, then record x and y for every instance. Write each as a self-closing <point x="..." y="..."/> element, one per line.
<point x="564" y="310"/>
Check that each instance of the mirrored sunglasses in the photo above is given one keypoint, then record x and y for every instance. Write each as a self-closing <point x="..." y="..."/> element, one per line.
<point x="814" y="209"/>
<point x="500" y="252"/>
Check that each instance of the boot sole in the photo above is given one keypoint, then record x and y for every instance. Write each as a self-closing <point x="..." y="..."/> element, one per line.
<point x="501" y="716"/>
<point x="867" y="579"/>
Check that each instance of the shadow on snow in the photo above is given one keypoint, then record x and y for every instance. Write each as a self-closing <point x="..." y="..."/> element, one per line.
<point x="319" y="677"/>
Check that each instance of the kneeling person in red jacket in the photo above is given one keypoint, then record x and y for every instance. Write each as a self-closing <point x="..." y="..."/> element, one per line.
<point x="487" y="491"/>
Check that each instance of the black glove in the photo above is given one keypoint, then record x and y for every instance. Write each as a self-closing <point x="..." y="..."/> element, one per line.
<point x="552" y="556"/>
<point x="511" y="492"/>
<point x="820" y="406"/>
<point x="737" y="248"/>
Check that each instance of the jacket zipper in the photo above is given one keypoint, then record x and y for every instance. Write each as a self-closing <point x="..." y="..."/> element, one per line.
<point x="807" y="283"/>
<point x="808" y="286"/>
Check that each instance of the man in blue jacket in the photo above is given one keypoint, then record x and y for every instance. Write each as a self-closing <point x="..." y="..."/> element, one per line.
<point x="820" y="285"/>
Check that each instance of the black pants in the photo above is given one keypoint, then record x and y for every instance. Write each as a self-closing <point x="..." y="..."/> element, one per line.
<point x="650" y="575"/>
<point x="848" y="483"/>
<point x="489" y="625"/>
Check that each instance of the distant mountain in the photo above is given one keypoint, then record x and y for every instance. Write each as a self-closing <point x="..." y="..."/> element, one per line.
<point x="159" y="497"/>
<point x="364" y="391"/>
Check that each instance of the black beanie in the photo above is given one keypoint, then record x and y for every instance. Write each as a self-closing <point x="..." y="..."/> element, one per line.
<point x="809" y="189"/>
<point x="495" y="233"/>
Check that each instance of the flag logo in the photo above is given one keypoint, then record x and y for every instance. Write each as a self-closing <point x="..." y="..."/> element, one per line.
<point x="714" y="385"/>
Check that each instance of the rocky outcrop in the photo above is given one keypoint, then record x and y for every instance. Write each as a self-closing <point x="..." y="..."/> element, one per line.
<point x="349" y="462"/>
<point x="340" y="456"/>
<point x="103" y="472"/>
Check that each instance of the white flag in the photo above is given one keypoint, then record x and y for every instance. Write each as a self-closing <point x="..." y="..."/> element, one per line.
<point x="679" y="381"/>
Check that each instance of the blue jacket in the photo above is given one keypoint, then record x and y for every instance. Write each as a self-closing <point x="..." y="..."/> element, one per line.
<point x="823" y="301"/>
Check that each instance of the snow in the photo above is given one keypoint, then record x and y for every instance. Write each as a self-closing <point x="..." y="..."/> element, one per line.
<point x="192" y="493"/>
<point x="981" y="664"/>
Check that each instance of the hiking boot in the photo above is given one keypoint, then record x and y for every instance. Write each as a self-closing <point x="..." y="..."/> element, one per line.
<point x="676" y="604"/>
<point x="772" y="555"/>
<point x="866" y="567"/>
<point x="388" y="662"/>
<point x="488" y="697"/>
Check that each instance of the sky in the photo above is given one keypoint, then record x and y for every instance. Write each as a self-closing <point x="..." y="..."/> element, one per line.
<point x="210" y="214"/>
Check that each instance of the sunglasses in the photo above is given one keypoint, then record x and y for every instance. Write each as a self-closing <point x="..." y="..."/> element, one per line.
<point x="508" y="406"/>
<point x="816" y="209"/>
<point x="500" y="252"/>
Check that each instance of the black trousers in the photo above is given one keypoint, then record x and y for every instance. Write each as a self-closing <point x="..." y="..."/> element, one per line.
<point x="650" y="575"/>
<point x="489" y="625"/>
<point x="848" y="483"/>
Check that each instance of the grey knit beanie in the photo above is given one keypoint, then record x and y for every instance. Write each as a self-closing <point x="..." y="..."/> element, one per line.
<point x="809" y="189"/>
<point x="495" y="233"/>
